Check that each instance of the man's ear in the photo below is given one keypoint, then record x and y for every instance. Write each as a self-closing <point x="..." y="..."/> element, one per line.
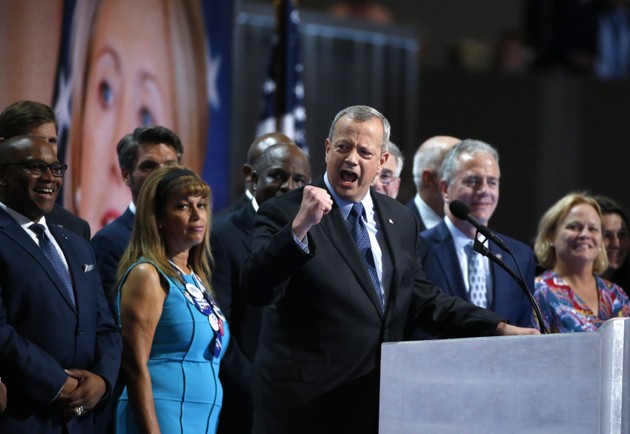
<point x="444" y="189"/>
<point x="126" y="177"/>
<point x="247" y="171"/>
<point x="427" y="178"/>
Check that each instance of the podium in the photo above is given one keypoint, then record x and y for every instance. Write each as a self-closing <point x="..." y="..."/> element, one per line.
<point x="555" y="383"/>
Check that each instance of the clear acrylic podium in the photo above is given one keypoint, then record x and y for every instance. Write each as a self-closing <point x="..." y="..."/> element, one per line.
<point x="557" y="383"/>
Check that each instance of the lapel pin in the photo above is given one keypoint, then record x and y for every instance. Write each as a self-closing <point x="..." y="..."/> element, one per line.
<point x="391" y="222"/>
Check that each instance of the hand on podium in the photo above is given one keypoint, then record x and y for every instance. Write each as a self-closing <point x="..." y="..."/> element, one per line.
<point x="505" y="329"/>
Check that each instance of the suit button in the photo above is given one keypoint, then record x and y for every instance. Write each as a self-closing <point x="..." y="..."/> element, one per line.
<point x="79" y="332"/>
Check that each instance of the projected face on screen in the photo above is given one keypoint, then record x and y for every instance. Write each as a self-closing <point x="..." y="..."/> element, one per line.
<point x="129" y="68"/>
<point x="145" y="64"/>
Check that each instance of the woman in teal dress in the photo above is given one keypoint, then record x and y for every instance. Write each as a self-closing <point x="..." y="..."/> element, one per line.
<point x="174" y="333"/>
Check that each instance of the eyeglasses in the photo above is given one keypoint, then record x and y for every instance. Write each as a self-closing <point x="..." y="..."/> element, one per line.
<point x="387" y="178"/>
<point x="39" y="167"/>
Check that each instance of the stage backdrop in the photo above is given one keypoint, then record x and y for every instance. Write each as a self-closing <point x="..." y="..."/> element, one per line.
<point x="109" y="66"/>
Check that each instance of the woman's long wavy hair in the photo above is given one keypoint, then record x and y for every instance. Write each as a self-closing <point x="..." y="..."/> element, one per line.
<point x="147" y="238"/>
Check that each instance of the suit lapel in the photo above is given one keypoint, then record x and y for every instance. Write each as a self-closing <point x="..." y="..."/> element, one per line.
<point x="499" y="280"/>
<point x="387" y="221"/>
<point x="447" y="258"/>
<point x="127" y="219"/>
<point x="15" y="232"/>
<point x="244" y="220"/>
<point x="335" y="227"/>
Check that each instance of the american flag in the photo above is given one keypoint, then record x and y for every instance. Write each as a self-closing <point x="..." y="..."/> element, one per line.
<point x="283" y="92"/>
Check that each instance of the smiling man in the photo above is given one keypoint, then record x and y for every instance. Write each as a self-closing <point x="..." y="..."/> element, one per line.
<point x="470" y="174"/>
<point x="60" y="349"/>
<point x="34" y="118"/>
<point x="336" y="267"/>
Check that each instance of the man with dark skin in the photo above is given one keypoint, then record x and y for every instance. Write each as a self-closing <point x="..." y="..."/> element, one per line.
<point x="37" y="119"/>
<point x="280" y="168"/>
<point x="256" y="149"/>
<point x="55" y="375"/>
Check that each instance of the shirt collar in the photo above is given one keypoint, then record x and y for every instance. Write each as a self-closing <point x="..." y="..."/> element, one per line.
<point x="459" y="238"/>
<point x="21" y="219"/>
<point x="345" y="205"/>
<point x="429" y="217"/>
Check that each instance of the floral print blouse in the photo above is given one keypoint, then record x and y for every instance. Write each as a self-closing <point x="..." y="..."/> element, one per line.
<point x="564" y="311"/>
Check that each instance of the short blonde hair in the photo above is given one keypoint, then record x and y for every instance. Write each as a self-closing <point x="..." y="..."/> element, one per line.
<point x="543" y="248"/>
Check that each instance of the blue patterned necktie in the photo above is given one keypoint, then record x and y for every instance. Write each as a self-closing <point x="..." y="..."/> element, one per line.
<point x="53" y="256"/>
<point x="362" y="240"/>
<point x="476" y="278"/>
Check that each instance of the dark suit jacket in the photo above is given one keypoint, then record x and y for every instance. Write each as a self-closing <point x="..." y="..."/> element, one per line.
<point x="240" y="203"/>
<point x="231" y="245"/>
<point x="319" y="351"/>
<point x="441" y="266"/>
<point x="64" y="218"/>
<point x="416" y="213"/>
<point x="42" y="332"/>
<point x="109" y="244"/>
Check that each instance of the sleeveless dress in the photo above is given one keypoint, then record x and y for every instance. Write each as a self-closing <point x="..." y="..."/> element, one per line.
<point x="183" y="363"/>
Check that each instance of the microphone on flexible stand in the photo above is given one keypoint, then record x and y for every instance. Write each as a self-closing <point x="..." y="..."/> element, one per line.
<point x="461" y="211"/>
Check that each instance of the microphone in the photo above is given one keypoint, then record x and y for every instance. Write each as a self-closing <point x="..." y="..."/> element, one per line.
<point x="462" y="212"/>
<point x="483" y="250"/>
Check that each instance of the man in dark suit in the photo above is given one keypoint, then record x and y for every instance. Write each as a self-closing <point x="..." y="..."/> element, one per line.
<point x="139" y="153"/>
<point x="280" y="168"/>
<point x="470" y="173"/>
<point x="61" y="349"/>
<point x="254" y="152"/>
<point x="331" y="302"/>
<point x="37" y="119"/>
<point x="427" y="205"/>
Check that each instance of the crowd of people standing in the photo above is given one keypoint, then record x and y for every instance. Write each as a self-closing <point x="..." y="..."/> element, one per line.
<point x="268" y="317"/>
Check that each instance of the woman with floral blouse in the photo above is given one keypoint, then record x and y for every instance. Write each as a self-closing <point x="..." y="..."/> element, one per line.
<point x="571" y="294"/>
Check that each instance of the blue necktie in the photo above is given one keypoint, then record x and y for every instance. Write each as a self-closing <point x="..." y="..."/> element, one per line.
<point x="53" y="256"/>
<point x="476" y="278"/>
<point x="362" y="240"/>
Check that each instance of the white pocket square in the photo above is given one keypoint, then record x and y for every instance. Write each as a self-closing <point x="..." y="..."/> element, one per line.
<point x="88" y="267"/>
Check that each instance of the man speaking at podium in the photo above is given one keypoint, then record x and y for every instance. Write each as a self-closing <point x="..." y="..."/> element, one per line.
<point x="336" y="266"/>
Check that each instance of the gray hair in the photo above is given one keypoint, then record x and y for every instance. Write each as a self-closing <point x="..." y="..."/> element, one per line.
<point x="450" y="164"/>
<point x="362" y="113"/>
<point x="429" y="156"/>
<point x="395" y="153"/>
